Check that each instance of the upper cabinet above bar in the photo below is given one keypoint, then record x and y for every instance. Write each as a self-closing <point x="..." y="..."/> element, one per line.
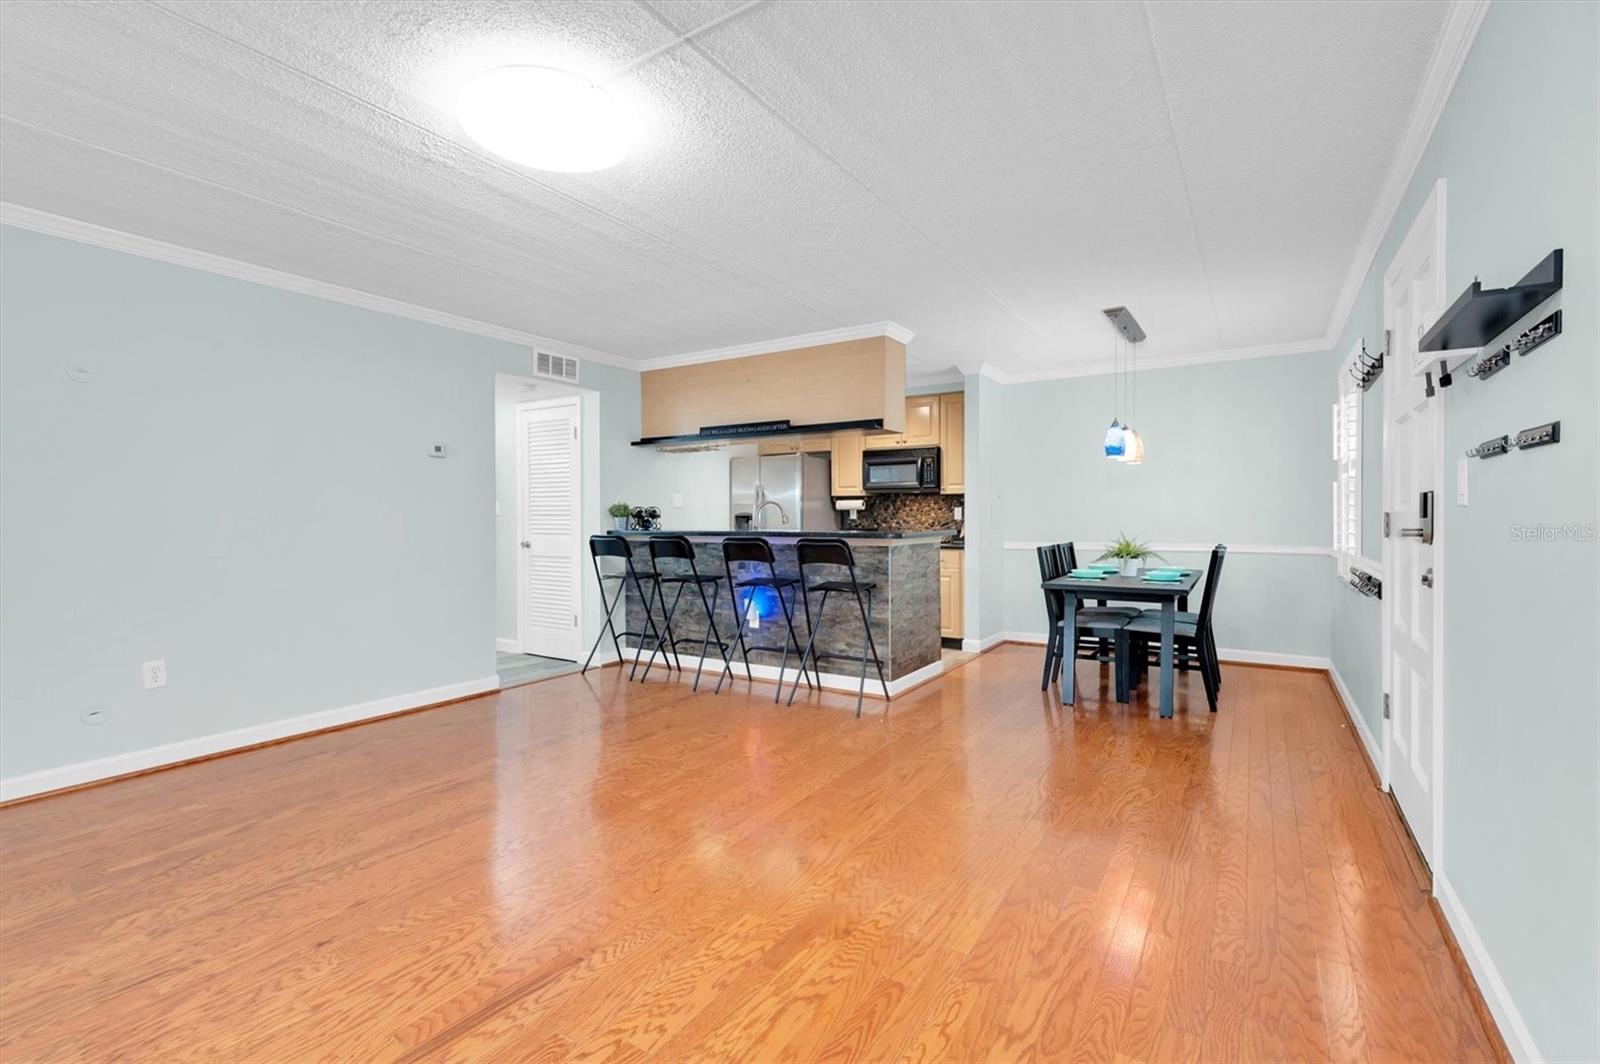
<point x="849" y="381"/>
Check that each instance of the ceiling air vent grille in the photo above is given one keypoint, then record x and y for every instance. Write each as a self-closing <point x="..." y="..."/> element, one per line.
<point x="557" y="367"/>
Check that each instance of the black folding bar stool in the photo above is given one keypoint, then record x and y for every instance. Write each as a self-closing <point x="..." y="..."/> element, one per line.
<point x="678" y="549"/>
<point x="834" y="552"/>
<point x="756" y="552"/>
<point x="612" y="546"/>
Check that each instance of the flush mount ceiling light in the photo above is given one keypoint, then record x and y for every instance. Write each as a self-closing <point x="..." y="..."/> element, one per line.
<point x="546" y="118"/>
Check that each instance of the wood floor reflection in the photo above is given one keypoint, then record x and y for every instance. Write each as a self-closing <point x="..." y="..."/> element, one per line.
<point x="584" y="868"/>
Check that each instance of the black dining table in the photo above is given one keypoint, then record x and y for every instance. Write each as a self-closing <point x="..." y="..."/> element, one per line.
<point x="1116" y="588"/>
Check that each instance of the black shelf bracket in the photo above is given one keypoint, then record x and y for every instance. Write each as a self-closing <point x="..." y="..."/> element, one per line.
<point x="1481" y="314"/>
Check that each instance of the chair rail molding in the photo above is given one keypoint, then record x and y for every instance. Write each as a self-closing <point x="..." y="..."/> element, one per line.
<point x="1186" y="548"/>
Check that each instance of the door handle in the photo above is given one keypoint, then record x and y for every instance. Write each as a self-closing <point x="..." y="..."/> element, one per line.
<point x="1424" y="511"/>
<point x="1427" y="577"/>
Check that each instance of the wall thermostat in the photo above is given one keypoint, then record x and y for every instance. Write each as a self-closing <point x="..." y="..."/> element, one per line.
<point x="436" y="450"/>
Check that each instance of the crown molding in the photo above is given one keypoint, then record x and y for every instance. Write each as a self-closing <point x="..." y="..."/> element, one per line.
<point x="892" y="330"/>
<point x="1455" y="42"/>
<point x="984" y="369"/>
<point x="20" y="217"/>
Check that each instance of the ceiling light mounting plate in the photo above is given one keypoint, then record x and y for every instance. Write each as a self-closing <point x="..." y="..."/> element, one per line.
<point x="1125" y="323"/>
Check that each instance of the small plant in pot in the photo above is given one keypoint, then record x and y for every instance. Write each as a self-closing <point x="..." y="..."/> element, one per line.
<point x="1129" y="553"/>
<point x="619" y="512"/>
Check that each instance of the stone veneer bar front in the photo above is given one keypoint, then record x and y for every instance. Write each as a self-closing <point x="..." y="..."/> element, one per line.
<point x="905" y="605"/>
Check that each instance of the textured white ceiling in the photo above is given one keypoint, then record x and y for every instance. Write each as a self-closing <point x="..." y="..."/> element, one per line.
<point x="989" y="174"/>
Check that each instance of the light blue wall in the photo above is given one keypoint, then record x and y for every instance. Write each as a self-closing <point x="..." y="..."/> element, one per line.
<point x="243" y="490"/>
<point x="1517" y="146"/>
<point x="1236" y="452"/>
<point x="983" y="571"/>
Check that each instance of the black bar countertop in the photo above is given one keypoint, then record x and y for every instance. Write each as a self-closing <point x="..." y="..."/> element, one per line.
<point x="773" y="533"/>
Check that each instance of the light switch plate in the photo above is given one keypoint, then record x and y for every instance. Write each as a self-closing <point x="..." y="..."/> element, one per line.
<point x="1462" y="465"/>
<point x="677" y="500"/>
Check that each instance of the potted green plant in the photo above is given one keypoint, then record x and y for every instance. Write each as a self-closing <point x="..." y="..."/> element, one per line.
<point x="1129" y="553"/>
<point x="619" y="512"/>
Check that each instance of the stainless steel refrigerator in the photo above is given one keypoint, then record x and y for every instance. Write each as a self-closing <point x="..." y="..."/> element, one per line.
<point x="781" y="493"/>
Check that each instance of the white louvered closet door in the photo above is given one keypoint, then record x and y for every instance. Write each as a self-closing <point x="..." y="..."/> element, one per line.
<point x="549" y="528"/>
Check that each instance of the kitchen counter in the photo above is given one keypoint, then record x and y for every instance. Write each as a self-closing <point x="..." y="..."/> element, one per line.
<point x="854" y="535"/>
<point x="905" y="603"/>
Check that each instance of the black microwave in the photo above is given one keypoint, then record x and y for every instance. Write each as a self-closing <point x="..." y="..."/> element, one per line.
<point x="904" y="470"/>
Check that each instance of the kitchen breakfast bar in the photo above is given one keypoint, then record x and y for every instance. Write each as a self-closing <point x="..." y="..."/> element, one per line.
<point x="903" y="566"/>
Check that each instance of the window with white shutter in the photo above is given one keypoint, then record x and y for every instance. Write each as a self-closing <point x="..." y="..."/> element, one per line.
<point x="1347" y="468"/>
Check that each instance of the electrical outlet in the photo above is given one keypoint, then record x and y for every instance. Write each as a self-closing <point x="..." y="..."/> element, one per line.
<point x="677" y="500"/>
<point x="1462" y="465"/>
<point x="155" y="674"/>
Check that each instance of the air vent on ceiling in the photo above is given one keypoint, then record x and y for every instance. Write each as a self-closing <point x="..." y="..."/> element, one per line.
<point x="558" y="367"/>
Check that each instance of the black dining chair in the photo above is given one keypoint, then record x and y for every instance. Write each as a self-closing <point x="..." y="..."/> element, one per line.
<point x="1094" y="623"/>
<point x="1191" y="632"/>
<point x="1092" y="647"/>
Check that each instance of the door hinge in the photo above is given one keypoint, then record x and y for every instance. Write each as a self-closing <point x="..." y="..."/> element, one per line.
<point x="1386" y="705"/>
<point x="574" y="432"/>
<point x="1386" y="524"/>
<point x="574" y="620"/>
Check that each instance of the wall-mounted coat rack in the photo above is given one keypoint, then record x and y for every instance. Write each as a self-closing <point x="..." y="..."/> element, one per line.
<point x="1368" y="368"/>
<point x="1526" y="440"/>
<point x="1545" y="330"/>
<point x="1366" y="583"/>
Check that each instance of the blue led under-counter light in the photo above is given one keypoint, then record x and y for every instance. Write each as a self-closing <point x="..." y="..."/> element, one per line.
<point x="768" y="604"/>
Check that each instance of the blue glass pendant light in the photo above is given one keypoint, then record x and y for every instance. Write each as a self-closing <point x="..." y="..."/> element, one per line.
<point x="1114" y="440"/>
<point x="1123" y="442"/>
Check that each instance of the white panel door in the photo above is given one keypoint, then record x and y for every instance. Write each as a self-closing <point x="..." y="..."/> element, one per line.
<point x="1412" y="490"/>
<point x="549" y="526"/>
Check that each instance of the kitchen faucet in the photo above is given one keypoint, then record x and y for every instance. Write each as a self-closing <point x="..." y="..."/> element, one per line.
<point x="755" y="518"/>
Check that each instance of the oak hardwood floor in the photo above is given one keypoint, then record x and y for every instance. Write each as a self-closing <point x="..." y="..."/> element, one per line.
<point x="584" y="868"/>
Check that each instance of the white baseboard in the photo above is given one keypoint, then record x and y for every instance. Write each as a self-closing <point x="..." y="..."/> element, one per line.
<point x="1265" y="657"/>
<point x="984" y="643"/>
<point x="833" y="681"/>
<point x="1240" y="657"/>
<point x="82" y="772"/>
<point x="1357" y="721"/>
<point x="507" y="646"/>
<point x="1519" y="1040"/>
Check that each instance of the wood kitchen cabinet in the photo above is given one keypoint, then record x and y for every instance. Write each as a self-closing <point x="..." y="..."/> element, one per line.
<point x="846" y="464"/>
<point x="922" y="423"/>
<point x="951" y="607"/>
<point x="952" y="443"/>
<point x="812" y="444"/>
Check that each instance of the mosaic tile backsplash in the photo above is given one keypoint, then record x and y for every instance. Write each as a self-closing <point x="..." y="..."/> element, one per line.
<point x="908" y="513"/>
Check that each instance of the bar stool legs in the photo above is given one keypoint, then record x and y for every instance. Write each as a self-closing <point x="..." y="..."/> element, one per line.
<point x="835" y="552"/>
<point x="611" y="546"/>
<point x="793" y="640"/>
<point x="866" y="626"/>
<point x="681" y="551"/>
